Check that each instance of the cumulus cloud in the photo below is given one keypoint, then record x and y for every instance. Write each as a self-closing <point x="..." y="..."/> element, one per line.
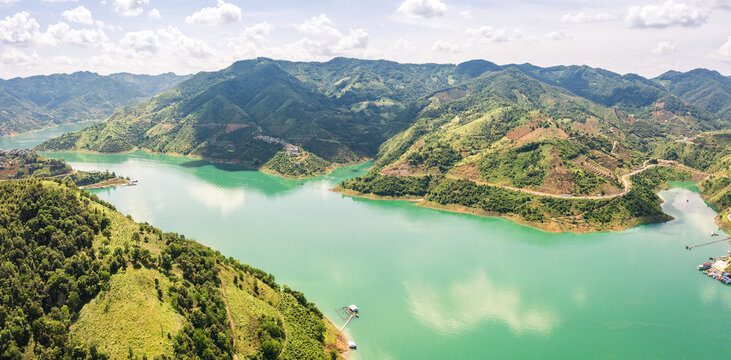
<point x="402" y="44"/>
<point x="332" y="40"/>
<point x="445" y="47"/>
<point x="423" y="9"/>
<point x="492" y="35"/>
<point x="80" y="15"/>
<point x="19" y="29"/>
<point x="558" y="35"/>
<point x="13" y="56"/>
<point x="170" y="41"/>
<point x="466" y="14"/>
<point x="665" y="47"/>
<point x="588" y="17"/>
<point x="63" y="33"/>
<point x="724" y="53"/>
<point x="258" y="31"/>
<point x="223" y="14"/>
<point x="319" y="25"/>
<point x="4" y="2"/>
<point x="130" y="7"/>
<point x="154" y="14"/>
<point x="668" y="14"/>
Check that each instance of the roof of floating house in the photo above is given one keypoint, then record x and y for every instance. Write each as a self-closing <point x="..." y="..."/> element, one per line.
<point x="720" y="265"/>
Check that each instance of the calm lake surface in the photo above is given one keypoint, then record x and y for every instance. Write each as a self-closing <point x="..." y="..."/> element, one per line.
<point x="436" y="285"/>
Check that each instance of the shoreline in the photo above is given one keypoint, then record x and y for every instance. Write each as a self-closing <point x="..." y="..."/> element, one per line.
<point x="330" y="169"/>
<point x="48" y="127"/>
<point x="554" y="227"/>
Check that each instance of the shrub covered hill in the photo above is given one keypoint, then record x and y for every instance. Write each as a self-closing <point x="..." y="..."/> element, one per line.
<point x="79" y="280"/>
<point x="41" y="101"/>
<point x="710" y="152"/>
<point x="24" y="164"/>
<point x="343" y="110"/>
<point x="520" y="142"/>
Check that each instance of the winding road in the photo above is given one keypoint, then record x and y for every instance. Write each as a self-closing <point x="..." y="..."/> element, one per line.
<point x="625" y="180"/>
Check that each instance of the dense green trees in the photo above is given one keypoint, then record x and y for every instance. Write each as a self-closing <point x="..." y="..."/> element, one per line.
<point x="49" y="269"/>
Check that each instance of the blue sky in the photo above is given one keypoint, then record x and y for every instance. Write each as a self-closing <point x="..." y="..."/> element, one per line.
<point x="646" y="37"/>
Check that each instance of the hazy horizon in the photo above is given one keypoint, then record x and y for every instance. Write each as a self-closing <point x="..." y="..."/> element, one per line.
<point x="648" y="38"/>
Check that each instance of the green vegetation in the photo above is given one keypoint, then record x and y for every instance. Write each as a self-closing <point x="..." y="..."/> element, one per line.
<point x="707" y="89"/>
<point x="80" y="280"/>
<point x="640" y="205"/>
<point x="23" y="164"/>
<point x="297" y="165"/>
<point x="346" y="109"/>
<point x="42" y="101"/>
<point x="20" y="164"/>
<point x="84" y="178"/>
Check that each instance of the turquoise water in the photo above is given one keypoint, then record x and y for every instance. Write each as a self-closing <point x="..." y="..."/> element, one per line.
<point x="436" y="285"/>
<point x="28" y="140"/>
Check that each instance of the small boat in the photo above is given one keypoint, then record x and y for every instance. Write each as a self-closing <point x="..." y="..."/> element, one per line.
<point x="352" y="345"/>
<point x="713" y="233"/>
<point x="704" y="266"/>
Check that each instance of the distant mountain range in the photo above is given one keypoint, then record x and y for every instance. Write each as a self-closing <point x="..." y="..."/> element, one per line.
<point x="41" y="101"/>
<point x="344" y="109"/>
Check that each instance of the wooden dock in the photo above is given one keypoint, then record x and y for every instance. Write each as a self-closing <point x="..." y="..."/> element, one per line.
<point x="352" y="314"/>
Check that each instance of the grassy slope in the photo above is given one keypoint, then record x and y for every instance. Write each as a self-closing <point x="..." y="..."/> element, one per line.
<point x="129" y="314"/>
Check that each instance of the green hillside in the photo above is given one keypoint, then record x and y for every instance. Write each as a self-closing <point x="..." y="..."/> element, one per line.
<point x="346" y="109"/>
<point x="24" y="164"/>
<point x="80" y="280"/>
<point x="475" y="147"/>
<point x="704" y="88"/>
<point x="40" y="101"/>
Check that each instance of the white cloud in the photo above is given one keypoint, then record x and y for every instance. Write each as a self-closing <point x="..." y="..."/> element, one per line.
<point x="724" y="53"/>
<point x="423" y="9"/>
<point x="670" y="13"/>
<point x="63" y="33"/>
<point x="446" y="47"/>
<point x="589" y="16"/>
<point x="319" y="25"/>
<point x="130" y="7"/>
<point x="333" y="41"/>
<point x="169" y="41"/>
<point x="16" y="57"/>
<point x="558" y="35"/>
<point x="402" y="44"/>
<point x="60" y="1"/>
<point x="492" y="35"/>
<point x="665" y="47"/>
<point x="466" y="14"/>
<point x="258" y="31"/>
<point x="356" y="39"/>
<point x="5" y="2"/>
<point x="224" y="13"/>
<point x="19" y="28"/>
<point x="154" y="14"/>
<point x="80" y="15"/>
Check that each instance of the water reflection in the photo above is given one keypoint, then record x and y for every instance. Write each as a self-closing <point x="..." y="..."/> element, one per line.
<point x="468" y="303"/>
<point x="216" y="198"/>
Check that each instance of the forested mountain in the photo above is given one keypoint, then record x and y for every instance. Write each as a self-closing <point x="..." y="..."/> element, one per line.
<point x="344" y="109"/>
<point x="41" y="101"/>
<point x="79" y="280"/>
<point x="704" y="88"/>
